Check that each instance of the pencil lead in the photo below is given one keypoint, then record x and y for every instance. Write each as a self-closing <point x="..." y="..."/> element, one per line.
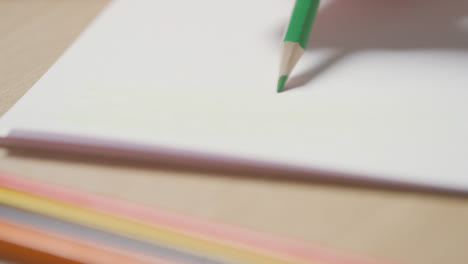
<point x="281" y="82"/>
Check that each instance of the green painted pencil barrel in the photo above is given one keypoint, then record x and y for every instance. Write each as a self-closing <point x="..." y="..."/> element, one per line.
<point x="301" y="21"/>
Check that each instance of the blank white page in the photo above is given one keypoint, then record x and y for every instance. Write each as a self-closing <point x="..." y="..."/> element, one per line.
<point x="382" y="90"/>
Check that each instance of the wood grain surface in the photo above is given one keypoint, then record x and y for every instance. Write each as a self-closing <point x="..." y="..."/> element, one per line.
<point x="406" y="226"/>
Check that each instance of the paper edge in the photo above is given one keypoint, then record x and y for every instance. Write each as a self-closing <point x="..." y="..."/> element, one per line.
<point x="132" y="150"/>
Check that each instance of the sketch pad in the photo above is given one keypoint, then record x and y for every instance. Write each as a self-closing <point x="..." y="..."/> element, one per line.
<point x="191" y="79"/>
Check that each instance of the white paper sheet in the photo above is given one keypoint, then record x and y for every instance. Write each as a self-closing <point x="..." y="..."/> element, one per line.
<point x="382" y="91"/>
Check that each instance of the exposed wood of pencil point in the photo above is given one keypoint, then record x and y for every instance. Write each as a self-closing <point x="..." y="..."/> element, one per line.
<point x="291" y="52"/>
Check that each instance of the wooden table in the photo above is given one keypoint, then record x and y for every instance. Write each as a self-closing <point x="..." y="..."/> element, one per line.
<point x="402" y="225"/>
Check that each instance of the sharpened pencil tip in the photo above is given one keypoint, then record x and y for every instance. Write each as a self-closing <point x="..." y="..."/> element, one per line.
<point x="281" y="82"/>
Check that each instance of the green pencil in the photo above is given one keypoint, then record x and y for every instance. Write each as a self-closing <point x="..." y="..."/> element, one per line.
<point x="296" y="38"/>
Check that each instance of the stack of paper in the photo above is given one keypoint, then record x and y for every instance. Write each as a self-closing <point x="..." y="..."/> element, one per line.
<point x="39" y="218"/>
